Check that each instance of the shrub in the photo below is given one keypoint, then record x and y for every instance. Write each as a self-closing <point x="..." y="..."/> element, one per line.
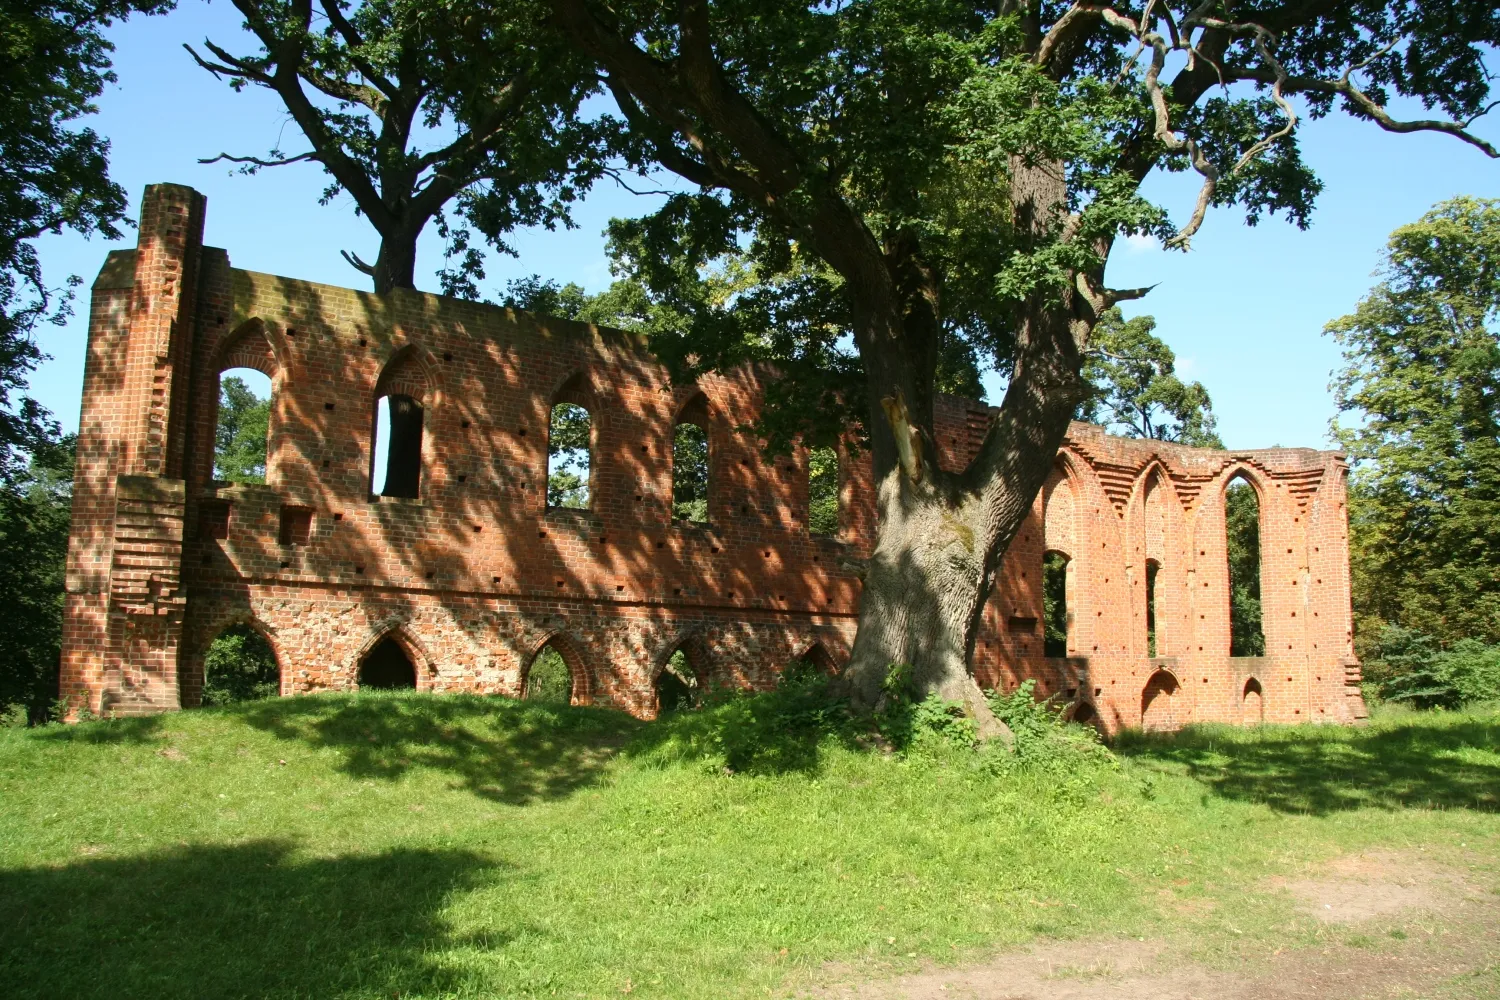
<point x="758" y="733"/>
<point x="1409" y="667"/>
<point x="1042" y="738"/>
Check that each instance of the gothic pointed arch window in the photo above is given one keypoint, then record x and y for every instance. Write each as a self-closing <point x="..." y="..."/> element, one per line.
<point x="570" y="446"/>
<point x="1242" y="533"/>
<point x="823" y="491"/>
<point x="1058" y="570"/>
<point x="1154" y="511"/>
<point x="691" y="462"/>
<point x="249" y="378"/>
<point x="402" y="397"/>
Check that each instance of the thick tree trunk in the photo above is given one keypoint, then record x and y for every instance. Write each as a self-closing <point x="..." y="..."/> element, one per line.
<point x="941" y="535"/>
<point x="396" y="266"/>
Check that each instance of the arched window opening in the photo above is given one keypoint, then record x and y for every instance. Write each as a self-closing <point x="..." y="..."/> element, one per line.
<point x="243" y="426"/>
<point x="549" y="679"/>
<point x="676" y="685"/>
<point x="690" y="473"/>
<point x="1159" y="703"/>
<point x="820" y="659"/>
<point x="823" y="491"/>
<point x="1253" y="703"/>
<point x="387" y="667"/>
<point x="397" y="471"/>
<point x="1153" y="568"/>
<point x="239" y="666"/>
<point x="1242" y="535"/>
<point x="569" y="444"/>
<point x="1055" y="617"/>
<point x="1085" y="715"/>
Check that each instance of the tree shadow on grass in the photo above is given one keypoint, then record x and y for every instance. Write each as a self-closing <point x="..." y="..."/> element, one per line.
<point x="506" y="750"/>
<point x="137" y="729"/>
<point x="1424" y="762"/>
<point x="249" y="920"/>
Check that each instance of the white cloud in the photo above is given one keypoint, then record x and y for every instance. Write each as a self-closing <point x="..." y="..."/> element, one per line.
<point x="1142" y="242"/>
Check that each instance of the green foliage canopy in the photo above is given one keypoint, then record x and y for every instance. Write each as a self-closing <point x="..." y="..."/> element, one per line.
<point x="1419" y="402"/>
<point x="886" y="168"/>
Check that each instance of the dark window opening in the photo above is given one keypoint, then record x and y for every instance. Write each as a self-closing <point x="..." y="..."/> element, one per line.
<point x="296" y="525"/>
<point x="1055" y="616"/>
<point x="823" y="491"/>
<point x="1085" y="715"/>
<point x="690" y="473"/>
<point x="213" y="520"/>
<point x="242" y="427"/>
<point x="676" y="685"/>
<point x="239" y="666"/>
<point x="569" y="441"/>
<point x="1152" y="569"/>
<point x="398" y="447"/>
<point x="387" y="668"/>
<point x="549" y="679"/>
<point x="1242" y="531"/>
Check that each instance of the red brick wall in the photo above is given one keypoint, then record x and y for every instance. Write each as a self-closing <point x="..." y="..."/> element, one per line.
<point x="475" y="575"/>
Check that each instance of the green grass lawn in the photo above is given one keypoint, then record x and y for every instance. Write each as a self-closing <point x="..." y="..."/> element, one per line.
<point x="440" y="846"/>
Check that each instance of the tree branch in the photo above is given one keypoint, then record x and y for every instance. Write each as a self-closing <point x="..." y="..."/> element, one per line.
<point x="357" y="264"/>
<point x="257" y="161"/>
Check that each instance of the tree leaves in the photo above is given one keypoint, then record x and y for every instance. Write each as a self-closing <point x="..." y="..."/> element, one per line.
<point x="1420" y="386"/>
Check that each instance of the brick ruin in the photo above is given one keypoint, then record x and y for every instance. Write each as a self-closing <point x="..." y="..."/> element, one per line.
<point x="475" y="574"/>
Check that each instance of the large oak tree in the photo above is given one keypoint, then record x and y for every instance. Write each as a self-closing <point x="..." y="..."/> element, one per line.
<point x="942" y="177"/>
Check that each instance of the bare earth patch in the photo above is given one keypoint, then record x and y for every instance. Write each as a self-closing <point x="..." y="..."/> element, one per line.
<point x="1457" y="937"/>
<point x="1365" y="886"/>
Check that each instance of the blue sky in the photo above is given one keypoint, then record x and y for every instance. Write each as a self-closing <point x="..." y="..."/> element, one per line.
<point x="1244" y="310"/>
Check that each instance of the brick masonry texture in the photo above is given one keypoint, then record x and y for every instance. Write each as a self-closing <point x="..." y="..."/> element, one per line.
<point x="474" y="576"/>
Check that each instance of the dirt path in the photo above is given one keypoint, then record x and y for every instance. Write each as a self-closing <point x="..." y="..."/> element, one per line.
<point x="1460" y="936"/>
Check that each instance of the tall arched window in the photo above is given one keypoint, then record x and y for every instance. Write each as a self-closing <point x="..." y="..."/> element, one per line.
<point x="823" y="491"/>
<point x="570" y="436"/>
<point x="1242" y="537"/>
<point x="400" y="411"/>
<point x="1152" y="569"/>
<point x="1055" y="617"/>
<point x="1155" y="526"/>
<point x="398" y="447"/>
<point x="690" y="462"/>
<point x="248" y="370"/>
<point x="243" y="427"/>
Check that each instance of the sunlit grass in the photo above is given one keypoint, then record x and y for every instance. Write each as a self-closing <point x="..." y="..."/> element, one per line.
<point x="420" y="846"/>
